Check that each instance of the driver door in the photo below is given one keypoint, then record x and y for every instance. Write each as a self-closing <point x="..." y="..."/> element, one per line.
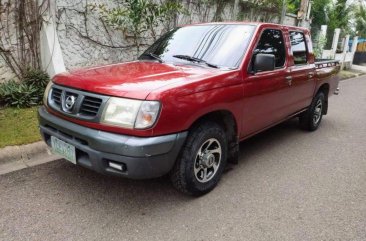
<point x="266" y="93"/>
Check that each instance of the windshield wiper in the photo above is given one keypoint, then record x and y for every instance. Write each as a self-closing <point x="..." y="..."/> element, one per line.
<point x="154" y="56"/>
<point x="194" y="59"/>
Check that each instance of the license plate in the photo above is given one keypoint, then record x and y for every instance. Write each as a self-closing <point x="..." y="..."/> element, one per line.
<point x="63" y="149"/>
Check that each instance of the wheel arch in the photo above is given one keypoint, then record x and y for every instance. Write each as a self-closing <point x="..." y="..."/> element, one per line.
<point x="325" y="89"/>
<point x="227" y="120"/>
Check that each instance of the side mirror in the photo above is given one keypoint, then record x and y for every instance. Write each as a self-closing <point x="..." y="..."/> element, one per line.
<point x="264" y="62"/>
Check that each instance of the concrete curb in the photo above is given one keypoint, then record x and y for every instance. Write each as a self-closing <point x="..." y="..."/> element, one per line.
<point x="23" y="152"/>
<point x="352" y="77"/>
<point x="358" y="68"/>
<point x="13" y="158"/>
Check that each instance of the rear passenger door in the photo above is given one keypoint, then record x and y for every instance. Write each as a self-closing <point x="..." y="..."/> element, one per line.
<point x="302" y="71"/>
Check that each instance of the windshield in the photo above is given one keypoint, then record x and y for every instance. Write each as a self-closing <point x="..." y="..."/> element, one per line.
<point x="216" y="45"/>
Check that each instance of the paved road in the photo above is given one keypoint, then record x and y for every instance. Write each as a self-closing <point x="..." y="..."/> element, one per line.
<point x="289" y="185"/>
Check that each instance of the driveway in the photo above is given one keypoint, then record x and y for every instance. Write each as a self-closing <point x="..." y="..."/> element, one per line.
<point x="289" y="185"/>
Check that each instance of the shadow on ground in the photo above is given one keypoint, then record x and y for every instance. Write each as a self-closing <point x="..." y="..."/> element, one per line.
<point x="86" y="188"/>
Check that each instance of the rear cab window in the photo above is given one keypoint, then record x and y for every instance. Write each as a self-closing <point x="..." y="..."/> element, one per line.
<point x="298" y="48"/>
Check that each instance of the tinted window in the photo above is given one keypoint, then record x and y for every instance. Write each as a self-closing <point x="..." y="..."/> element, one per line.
<point x="298" y="47"/>
<point x="222" y="45"/>
<point x="271" y="42"/>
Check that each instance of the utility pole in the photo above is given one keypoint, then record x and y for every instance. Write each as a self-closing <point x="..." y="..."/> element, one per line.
<point x="283" y="13"/>
<point x="236" y="9"/>
<point x="304" y="13"/>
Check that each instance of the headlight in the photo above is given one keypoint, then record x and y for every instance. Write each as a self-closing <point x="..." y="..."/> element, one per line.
<point x="130" y="113"/>
<point x="147" y="115"/>
<point x="46" y="92"/>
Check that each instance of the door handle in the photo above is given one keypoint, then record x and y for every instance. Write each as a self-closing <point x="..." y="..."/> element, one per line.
<point x="289" y="80"/>
<point x="311" y="75"/>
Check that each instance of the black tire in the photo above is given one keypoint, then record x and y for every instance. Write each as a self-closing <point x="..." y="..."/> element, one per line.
<point x="183" y="175"/>
<point x="311" y="118"/>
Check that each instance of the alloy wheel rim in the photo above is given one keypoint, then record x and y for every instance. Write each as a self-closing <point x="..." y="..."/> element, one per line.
<point x="317" y="112"/>
<point x="208" y="159"/>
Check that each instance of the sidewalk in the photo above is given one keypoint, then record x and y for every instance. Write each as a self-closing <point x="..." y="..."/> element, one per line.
<point x="13" y="158"/>
<point x="361" y="68"/>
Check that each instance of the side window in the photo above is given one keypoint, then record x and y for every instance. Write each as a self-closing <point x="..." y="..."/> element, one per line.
<point x="271" y="42"/>
<point x="298" y="47"/>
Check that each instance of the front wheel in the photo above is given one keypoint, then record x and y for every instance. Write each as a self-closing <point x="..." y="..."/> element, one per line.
<point x="203" y="158"/>
<point x="311" y="119"/>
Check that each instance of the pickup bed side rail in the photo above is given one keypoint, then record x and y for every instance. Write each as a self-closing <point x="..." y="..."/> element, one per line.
<point x="322" y="63"/>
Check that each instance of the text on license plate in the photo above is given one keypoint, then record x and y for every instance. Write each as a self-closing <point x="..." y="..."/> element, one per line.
<point x="63" y="149"/>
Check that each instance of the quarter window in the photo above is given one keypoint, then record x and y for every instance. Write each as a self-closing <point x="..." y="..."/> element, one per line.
<point x="271" y="42"/>
<point x="298" y="47"/>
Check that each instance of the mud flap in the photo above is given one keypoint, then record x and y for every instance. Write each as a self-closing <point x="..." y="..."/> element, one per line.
<point x="233" y="153"/>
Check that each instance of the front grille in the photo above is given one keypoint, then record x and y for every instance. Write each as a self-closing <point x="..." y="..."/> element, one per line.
<point x="56" y="95"/>
<point x="90" y="106"/>
<point x="76" y="103"/>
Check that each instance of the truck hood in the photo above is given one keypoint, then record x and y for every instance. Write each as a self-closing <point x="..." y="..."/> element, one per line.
<point x="131" y="80"/>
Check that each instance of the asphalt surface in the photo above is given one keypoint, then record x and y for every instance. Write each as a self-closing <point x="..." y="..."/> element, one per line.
<point x="289" y="185"/>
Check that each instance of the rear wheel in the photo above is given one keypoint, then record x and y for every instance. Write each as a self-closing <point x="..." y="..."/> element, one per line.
<point x="311" y="119"/>
<point x="202" y="161"/>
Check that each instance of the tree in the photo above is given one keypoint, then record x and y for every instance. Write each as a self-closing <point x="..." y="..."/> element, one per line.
<point x="360" y="14"/>
<point x="339" y="15"/>
<point x="319" y="16"/>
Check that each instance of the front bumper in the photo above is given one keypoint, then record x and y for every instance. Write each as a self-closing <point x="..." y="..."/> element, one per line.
<point x="140" y="157"/>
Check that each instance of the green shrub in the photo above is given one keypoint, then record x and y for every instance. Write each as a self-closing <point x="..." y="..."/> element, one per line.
<point x="26" y="93"/>
<point x="18" y="94"/>
<point x="38" y="79"/>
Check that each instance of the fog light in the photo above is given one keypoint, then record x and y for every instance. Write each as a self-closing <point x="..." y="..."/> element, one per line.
<point x="118" y="166"/>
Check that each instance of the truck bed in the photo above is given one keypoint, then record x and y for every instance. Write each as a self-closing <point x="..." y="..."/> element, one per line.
<point x="326" y="72"/>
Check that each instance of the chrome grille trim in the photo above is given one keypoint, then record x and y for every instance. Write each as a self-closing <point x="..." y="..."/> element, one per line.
<point x="90" y="106"/>
<point x="56" y="95"/>
<point x="87" y="106"/>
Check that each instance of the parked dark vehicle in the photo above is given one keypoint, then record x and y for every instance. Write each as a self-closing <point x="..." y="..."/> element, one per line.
<point x="183" y="107"/>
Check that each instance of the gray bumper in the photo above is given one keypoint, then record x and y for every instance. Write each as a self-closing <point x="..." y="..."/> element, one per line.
<point x="140" y="157"/>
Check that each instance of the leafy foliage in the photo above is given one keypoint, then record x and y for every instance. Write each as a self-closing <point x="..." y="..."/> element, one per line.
<point x="38" y="79"/>
<point x="319" y="9"/>
<point x="293" y="6"/>
<point x="318" y="49"/>
<point x="334" y="14"/>
<point x="26" y="93"/>
<point x="17" y="94"/>
<point x="339" y="16"/>
<point x="137" y="17"/>
<point x="360" y="14"/>
<point x="260" y="10"/>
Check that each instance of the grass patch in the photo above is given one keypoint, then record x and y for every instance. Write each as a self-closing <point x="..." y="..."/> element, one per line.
<point x="344" y="74"/>
<point x="347" y="74"/>
<point x="18" y="126"/>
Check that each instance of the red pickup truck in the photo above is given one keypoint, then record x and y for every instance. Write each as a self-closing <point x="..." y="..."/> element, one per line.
<point x="183" y="107"/>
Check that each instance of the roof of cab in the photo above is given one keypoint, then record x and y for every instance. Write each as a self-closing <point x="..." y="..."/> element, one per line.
<point x="245" y="22"/>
